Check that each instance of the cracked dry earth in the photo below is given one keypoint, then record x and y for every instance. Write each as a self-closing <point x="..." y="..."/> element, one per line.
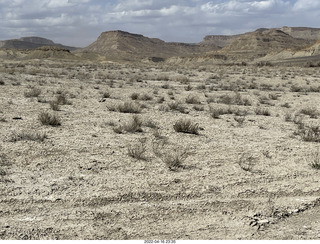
<point x="248" y="179"/>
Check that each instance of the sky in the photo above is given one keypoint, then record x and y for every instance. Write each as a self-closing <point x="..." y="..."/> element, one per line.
<point x="80" y="22"/>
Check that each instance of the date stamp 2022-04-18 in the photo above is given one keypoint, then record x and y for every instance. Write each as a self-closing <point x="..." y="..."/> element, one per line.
<point x="160" y="242"/>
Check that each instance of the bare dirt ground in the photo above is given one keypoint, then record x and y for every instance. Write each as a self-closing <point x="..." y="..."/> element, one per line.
<point x="247" y="169"/>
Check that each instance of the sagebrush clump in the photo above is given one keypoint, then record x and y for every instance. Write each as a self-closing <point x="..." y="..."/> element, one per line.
<point x="138" y="149"/>
<point x="172" y="157"/>
<point x="134" y="125"/>
<point x="126" y="107"/>
<point x="49" y="119"/>
<point x="186" y="126"/>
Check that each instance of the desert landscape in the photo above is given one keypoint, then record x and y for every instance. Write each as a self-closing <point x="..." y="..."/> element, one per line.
<point x="134" y="138"/>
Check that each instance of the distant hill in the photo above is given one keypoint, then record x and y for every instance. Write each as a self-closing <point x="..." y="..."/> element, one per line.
<point x="32" y="42"/>
<point x="262" y="42"/>
<point x="121" y="45"/>
<point x="305" y="33"/>
<point x="311" y="53"/>
<point x="219" y="40"/>
<point x="128" y="46"/>
<point x="44" y="52"/>
<point x="51" y="52"/>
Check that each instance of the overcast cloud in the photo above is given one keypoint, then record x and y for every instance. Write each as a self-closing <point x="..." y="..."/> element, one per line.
<point x="80" y="22"/>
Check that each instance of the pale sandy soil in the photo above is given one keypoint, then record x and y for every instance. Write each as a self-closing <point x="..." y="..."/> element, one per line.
<point x="241" y="181"/>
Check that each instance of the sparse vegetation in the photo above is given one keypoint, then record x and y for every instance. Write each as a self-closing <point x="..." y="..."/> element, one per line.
<point x="134" y="125"/>
<point x="106" y="95"/>
<point x="311" y="111"/>
<point x="235" y="99"/>
<point x="61" y="99"/>
<point x="126" y="107"/>
<point x="198" y="108"/>
<point x="33" y="92"/>
<point x="186" y="126"/>
<point x="54" y="105"/>
<point x="134" y="96"/>
<point x="160" y="100"/>
<point x="151" y="124"/>
<point x="177" y="106"/>
<point x="4" y="162"/>
<point x="247" y="161"/>
<point x="216" y="112"/>
<point x="239" y="119"/>
<point x="138" y="149"/>
<point x="173" y="158"/>
<point x="288" y="117"/>
<point x="145" y="97"/>
<point x="286" y="105"/>
<point x="273" y="96"/>
<point x="262" y="111"/>
<point x="49" y="119"/>
<point x="28" y="136"/>
<point x="192" y="99"/>
<point x="309" y="133"/>
<point x="315" y="162"/>
<point x="129" y="151"/>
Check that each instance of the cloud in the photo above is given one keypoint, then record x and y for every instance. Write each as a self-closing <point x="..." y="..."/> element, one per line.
<point x="58" y="3"/>
<point x="133" y="5"/>
<point x="255" y="7"/>
<point x="303" y="5"/>
<point x="79" y="22"/>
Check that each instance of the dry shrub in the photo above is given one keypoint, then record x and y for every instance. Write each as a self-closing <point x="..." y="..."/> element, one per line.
<point x="28" y="136"/>
<point x="145" y="97"/>
<point x="262" y="111"/>
<point x="235" y="99"/>
<point x="54" y="105"/>
<point x="172" y="157"/>
<point x="106" y="95"/>
<point x="186" y="126"/>
<point x="134" y="96"/>
<point x="177" y="107"/>
<point x="309" y="134"/>
<point x="188" y="88"/>
<point x="138" y="149"/>
<point x="34" y="92"/>
<point x="160" y="99"/>
<point x="62" y="99"/>
<point x="198" y="108"/>
<point x="49" y="119"/>
<point x="315" y="163"/>
<point x="132" y="126"/>
<point x="216" y="112"/>
<point x="126" y="107"/>
<point x="239" y="119"/>
<point x="311" y="111"/>
<point x="151" y="124"/>
<point x="247" y="161"/>
<point x="192" y="99"/>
